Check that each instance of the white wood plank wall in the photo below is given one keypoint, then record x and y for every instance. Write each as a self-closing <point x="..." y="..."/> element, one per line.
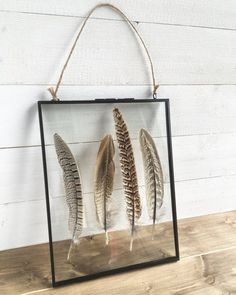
<point x="193" y="45"/>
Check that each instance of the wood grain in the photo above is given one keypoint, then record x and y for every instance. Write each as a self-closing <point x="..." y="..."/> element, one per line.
<point x="211" y="274"/>
<point x="207" y="266"/>
<point x="213" y="13"/>
<point x="92" y="256"/>
<point x="181" y="55"/>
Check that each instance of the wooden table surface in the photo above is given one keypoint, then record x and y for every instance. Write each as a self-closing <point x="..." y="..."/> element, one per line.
<point x="207" y="266"/>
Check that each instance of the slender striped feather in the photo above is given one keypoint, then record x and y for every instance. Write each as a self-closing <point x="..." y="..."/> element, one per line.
<point x="154" y="183"/>
<point x="73" y="190"/>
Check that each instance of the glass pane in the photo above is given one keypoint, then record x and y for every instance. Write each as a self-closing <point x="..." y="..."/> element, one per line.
<point x="82" y="127"/>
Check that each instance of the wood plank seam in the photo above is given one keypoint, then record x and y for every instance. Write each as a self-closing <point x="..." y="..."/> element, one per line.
<point x="155" y="137"/>
<point x="37" y="291"/>
<point x="116" y="189"/>
<point x="118" y="20"/>
<point x="117" y="85"/>
<point x="208" y="252"/>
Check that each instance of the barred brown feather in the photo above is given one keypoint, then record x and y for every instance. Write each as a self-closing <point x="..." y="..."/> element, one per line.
<point x="72" y="186"/>
<point x="128" y="170"/>
<point x="153" y="174"/>
<point x="104" y="177"/>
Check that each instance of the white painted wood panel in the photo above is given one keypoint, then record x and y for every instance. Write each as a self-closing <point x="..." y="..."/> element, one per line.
<point x="200" y="156"/>
<point x="206" y="196"/>
<point x="194" y="109"/>
<point x="34" y="46"/>
<point x="25" y="223"/>
<point x="191" y="42"/>
<point x="212" y="13"/>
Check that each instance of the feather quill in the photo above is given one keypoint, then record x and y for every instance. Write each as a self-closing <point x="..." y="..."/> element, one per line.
<point x="73" y="190"/>
<point x="153" y="174"/>
<point x="104" y="177"/>
<point x="128" y="169"/>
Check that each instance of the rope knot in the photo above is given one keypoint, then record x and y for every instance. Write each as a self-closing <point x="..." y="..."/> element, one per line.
<point x="155" y="91"/>
<point x="53" y="94"/>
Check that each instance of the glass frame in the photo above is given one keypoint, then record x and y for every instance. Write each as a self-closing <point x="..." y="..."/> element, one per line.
<point x="172" y="189"/>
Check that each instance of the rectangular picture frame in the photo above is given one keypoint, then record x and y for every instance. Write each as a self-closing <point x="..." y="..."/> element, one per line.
<point x="173" y="258"/>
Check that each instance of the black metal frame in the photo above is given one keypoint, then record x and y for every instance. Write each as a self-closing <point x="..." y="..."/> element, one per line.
<point x="172" y="187"/>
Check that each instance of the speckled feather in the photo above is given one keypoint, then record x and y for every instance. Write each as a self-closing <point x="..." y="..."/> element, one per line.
<point x="128" y="169"/>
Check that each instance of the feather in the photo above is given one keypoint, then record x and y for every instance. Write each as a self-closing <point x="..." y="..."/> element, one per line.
<point x="72" y="184"/>
<point x="128" y="169"/>
<point x="104" y="177"/>
<point x="153" y="174"/>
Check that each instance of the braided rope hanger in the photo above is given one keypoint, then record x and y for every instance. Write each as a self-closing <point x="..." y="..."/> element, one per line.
<point x="154" y="85"/>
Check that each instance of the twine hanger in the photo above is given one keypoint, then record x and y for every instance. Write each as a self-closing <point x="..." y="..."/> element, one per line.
<point x="154" y="85"/>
